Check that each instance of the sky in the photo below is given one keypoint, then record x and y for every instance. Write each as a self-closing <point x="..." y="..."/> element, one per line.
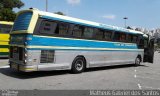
<point x="140" y="13"/>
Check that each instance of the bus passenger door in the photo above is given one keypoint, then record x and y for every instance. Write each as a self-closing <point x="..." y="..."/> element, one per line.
<point x="149" y="52"/>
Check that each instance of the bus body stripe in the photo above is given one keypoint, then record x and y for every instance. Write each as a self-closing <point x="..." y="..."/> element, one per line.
<point x="80" y="48"/>
<point x="42" y="41"/>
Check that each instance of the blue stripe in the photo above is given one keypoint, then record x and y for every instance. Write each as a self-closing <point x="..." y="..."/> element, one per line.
<point x="102" y="26"/>
<point x="49" y="41"/>
<point x="43" y="41"/>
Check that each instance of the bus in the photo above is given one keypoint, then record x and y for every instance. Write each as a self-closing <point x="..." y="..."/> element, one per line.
<point x="5" y="28"/>
<point x="42" y="41"/>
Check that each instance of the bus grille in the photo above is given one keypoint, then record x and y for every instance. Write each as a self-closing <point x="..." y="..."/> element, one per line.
<point x="47" y="56"/>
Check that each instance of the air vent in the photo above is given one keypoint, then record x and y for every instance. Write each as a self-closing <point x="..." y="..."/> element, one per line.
<point x="47" y="56"/>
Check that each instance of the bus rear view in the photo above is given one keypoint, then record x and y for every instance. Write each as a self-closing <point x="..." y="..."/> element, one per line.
<point x="18" y="41"/>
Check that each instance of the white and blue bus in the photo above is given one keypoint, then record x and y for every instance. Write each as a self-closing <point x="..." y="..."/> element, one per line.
<point x="46" y="41"/>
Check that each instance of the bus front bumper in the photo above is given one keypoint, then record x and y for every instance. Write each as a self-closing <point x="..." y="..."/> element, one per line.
<point x="22" y="68"/>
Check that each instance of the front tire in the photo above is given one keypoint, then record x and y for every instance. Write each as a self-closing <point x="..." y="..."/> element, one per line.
<point x="78" y="65"/>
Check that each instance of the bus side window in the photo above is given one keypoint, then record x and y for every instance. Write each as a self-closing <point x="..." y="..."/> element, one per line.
<point x="122" y="37"/>
<point x="77" y="31"/>
<point x="134" y="39"/>
<point x="129" y="38"/>
<point x="108" y="35"/>
<point x="88" y="33"/>
<point x="117" y="36"/>
<point x="63" y="29"/>
<point x="5" y="28"/>
<point x="99" y="34"/>
<point x="70" y="29"/>
<point x="48" y="27"/>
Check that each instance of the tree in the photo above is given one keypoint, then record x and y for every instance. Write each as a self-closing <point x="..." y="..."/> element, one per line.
<point x="60" y="13"/>
<point x="6" y="9"/>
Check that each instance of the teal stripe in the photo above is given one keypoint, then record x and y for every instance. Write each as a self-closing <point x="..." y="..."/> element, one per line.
<point x="43" y="41"/>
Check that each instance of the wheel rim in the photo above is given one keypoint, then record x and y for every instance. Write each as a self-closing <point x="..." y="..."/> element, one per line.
<point x="79" y="65"/>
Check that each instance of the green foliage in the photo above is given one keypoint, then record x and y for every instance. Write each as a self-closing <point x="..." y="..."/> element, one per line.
<point x="6" y="9"/>
<point x="7" y="15"/>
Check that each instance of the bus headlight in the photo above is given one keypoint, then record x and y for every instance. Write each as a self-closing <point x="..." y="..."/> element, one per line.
<point x="25" y="55"/>
<point x="25" y="61"/>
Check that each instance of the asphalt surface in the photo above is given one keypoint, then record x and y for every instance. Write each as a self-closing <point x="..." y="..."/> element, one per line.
<point x="146" y="76"/>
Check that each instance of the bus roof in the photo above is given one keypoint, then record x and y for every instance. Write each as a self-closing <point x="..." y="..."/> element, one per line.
<point x="68" y="19"/>
<point x="6" y="22"/>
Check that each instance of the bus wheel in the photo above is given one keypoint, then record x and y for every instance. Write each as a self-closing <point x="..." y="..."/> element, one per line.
<point x="78" y="65"/>
<point x="137" y="61"/>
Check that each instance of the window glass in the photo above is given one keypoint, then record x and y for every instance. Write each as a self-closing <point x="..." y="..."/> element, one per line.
<point x="63" y="28"/>
<point x="122" y="37"/>
<point x="77" y="31"/>
<point x="108" y="35"/>
<point x="99" y="34"/>
<point x="70" y="29"/>
<point x="5" y="28"/>
<point x="117" y="36"/>
<point x="135" y="38"/>
<point x="132" y="38"/>
<point x="88" y="32"/>
<point x="48" y="27"/>
<point x="129" y="38"/>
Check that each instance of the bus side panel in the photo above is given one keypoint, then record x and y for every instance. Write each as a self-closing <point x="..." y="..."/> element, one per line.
<point x="63" y="59"/>
<point x="108" y="58"/>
